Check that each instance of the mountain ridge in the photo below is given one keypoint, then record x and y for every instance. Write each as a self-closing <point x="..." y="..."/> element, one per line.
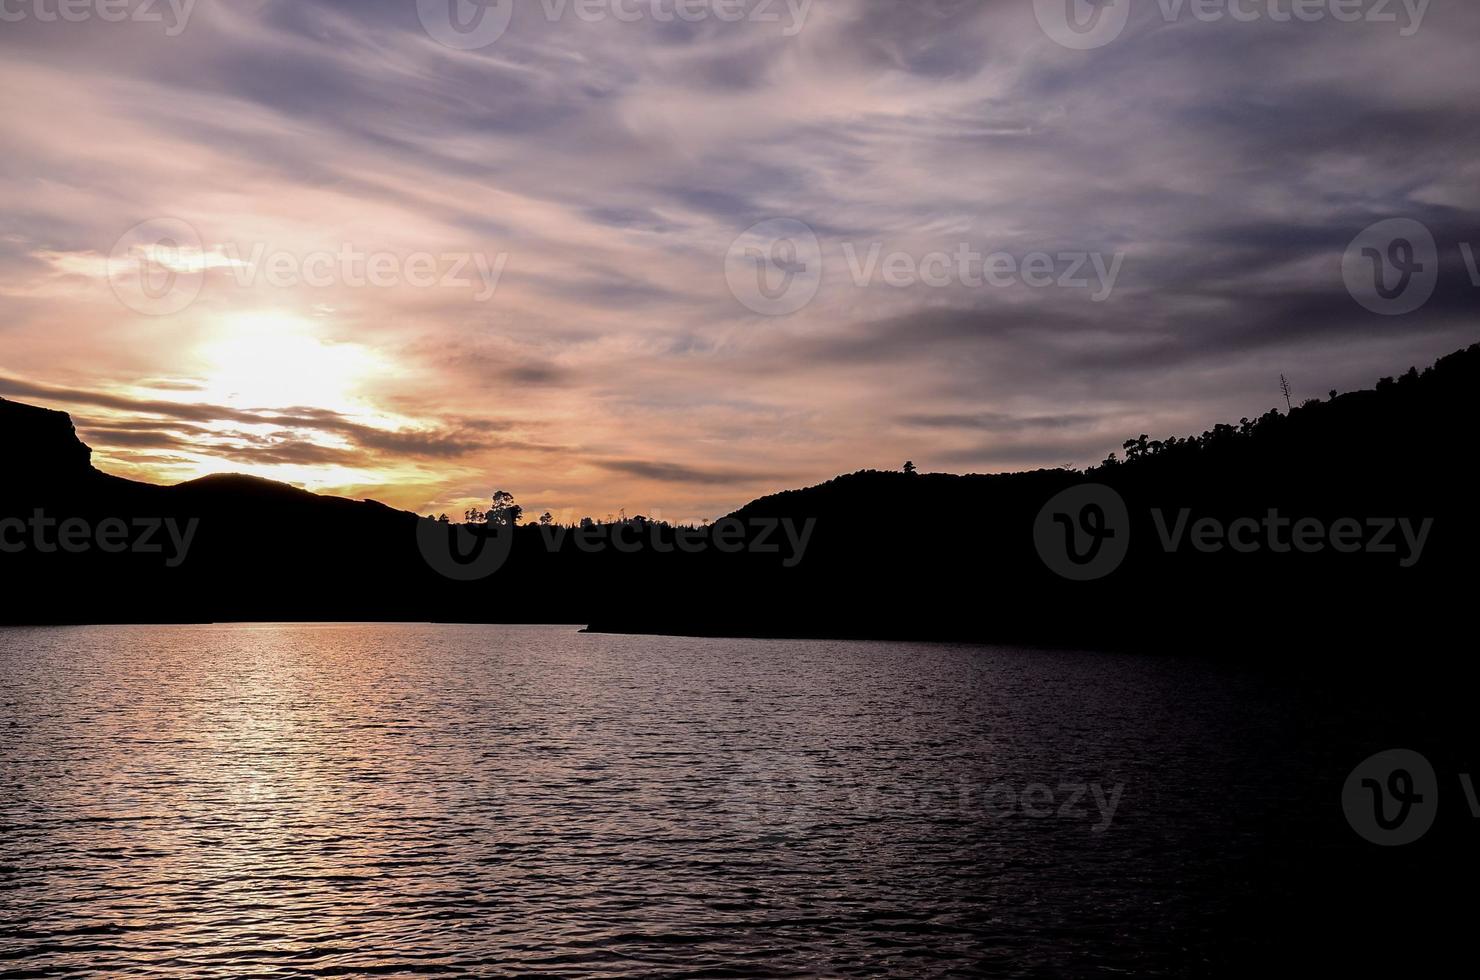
<point x="872" y="553"/>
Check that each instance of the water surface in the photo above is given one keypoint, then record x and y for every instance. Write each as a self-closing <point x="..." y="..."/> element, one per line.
<point x="335" y="800"/>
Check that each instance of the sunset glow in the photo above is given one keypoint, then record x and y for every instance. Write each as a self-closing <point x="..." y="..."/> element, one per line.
<point x="390" y="267"/>
<point x="276" y="360"/>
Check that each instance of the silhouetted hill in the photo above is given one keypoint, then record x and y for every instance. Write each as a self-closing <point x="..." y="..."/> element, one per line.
<point x="957" y="557"/>
<point x="1194" y="542"/>
<point x="44" y="443"/>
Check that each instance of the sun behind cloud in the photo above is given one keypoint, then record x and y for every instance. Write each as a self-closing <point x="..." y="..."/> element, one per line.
<point x="279" y="365"/>
<point x="271" y="359"/>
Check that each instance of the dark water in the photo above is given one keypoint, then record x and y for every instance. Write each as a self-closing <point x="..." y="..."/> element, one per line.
<point x="412" y="800"/>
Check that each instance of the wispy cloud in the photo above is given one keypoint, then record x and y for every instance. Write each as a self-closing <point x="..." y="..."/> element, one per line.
<point x="613" y="164"/>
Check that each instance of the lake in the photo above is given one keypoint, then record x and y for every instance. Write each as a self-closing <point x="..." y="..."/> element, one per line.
<point x="338" y="800"/>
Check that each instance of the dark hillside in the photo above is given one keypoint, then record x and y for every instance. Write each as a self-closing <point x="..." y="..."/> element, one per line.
<point x="1345" y="519"/>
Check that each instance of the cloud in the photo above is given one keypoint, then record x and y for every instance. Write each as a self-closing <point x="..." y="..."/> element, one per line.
<point x="292" y="428"/>
<point x="614" y="163"/>
<point x="675" y="473"/>
<point x="995" y="421"/>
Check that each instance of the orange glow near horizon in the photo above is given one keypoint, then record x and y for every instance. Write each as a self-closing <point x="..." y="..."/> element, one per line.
<point x="421" y="274"/>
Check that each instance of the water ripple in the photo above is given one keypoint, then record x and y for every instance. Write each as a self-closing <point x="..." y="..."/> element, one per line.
<point x="416" y="800"/>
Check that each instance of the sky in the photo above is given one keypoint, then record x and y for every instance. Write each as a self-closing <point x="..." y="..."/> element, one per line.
<point x="632" y="257"/>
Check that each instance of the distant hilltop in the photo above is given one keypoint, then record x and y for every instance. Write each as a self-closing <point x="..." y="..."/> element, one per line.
<point x="1346" y="517"/>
